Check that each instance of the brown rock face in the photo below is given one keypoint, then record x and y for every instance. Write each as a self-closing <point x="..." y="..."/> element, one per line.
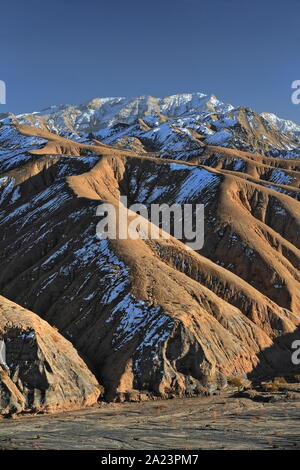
<point x="44" y="370"/>
<point x="151" y="316"/>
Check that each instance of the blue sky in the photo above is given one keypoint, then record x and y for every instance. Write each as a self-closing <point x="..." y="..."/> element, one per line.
<point x="69" y="51"/>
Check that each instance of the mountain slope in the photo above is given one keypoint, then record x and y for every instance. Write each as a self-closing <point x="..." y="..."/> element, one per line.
<point x="152" y="317"/>
<point x="44" y="371"/>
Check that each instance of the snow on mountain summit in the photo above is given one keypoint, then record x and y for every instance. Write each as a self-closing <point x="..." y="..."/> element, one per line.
<point x="102" y="112"/>
<point x="181" y="122"/>
<point x="282" y="125"/>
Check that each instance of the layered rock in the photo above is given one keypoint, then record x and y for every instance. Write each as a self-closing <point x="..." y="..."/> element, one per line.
<point x="43" y="371"/>
<point x="153" y="318"/>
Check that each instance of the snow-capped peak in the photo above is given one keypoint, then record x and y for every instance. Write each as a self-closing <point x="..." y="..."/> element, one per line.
<point x="283" y="125"/>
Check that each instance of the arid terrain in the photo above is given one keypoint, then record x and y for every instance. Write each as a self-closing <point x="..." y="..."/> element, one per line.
<point x="213" y="423"/>
<point x="86" y="319"/>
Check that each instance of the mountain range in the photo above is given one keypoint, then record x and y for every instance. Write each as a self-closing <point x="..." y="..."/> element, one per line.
<point x="124" y="319"/>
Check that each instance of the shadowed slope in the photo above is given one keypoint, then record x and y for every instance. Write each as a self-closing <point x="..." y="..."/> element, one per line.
<point x="151" y="317"/>
<point x="45" y="372"/>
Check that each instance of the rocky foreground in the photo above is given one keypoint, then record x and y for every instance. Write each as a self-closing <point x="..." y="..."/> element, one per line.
<point x="45" y="372"/>
<point x="218" y="422"/>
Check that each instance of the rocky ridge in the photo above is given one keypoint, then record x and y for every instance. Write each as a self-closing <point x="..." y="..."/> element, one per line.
<point x="152" y="318"/>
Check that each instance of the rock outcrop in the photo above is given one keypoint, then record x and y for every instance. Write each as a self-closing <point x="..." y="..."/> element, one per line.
<point x="44" y="373"/>
<point x="151" y="317"/>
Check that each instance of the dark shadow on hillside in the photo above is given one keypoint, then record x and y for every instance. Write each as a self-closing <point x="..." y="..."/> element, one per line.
<point x="276" y="360"/>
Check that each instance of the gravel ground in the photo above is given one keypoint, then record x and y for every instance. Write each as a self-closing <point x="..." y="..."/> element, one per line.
<point x="218" y="422"/>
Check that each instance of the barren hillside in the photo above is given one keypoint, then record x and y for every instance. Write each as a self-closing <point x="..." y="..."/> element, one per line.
<point x="151" y="317"/>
